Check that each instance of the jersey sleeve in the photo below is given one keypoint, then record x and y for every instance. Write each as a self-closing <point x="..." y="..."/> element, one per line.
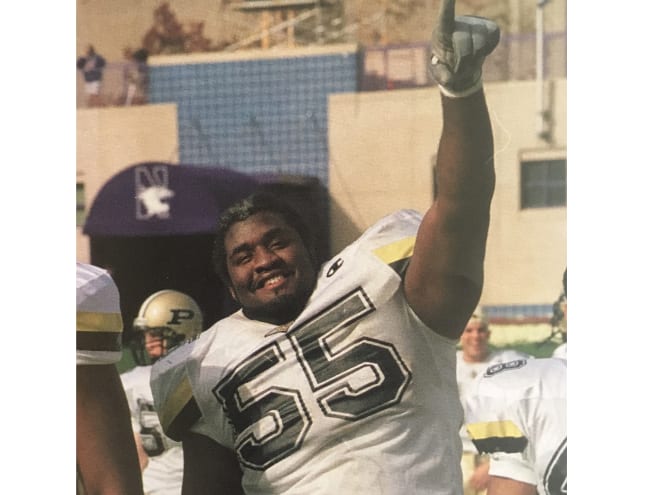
<point x="98" y="317"/>
<point x="174" y="401"/>
<point x="495" y="427"/>
<point x="512" y="466"/>
<point x="392" y="239"/>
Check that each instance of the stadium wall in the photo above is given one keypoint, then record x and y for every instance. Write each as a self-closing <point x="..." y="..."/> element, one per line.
<point x="255" y="111"/>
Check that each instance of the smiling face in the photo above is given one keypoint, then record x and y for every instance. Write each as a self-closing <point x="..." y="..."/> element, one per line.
<point x="271" y="271"/>
<point x="474" y="341"/>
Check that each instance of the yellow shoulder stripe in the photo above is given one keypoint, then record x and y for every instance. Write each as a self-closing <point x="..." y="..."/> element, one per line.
<point x="489" y="429"/>
<point x="396" y="251"/>
<point x="175" y="403"/>
<point x="98" y="322"/>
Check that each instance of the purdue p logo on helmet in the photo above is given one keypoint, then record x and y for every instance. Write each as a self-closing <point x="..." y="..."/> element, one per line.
<point x="170" y="316"/>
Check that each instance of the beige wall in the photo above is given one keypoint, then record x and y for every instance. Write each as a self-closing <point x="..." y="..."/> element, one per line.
<point x="381" y="151"/>
<point x="381" y="147"/>
<point x="111" y="139"/>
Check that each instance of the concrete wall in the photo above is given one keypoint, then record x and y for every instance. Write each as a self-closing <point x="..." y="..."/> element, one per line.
<point x="382" y="147"/>
<point x="111" y="139"/>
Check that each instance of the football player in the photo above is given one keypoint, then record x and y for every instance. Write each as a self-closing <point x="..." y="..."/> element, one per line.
<point x="165" y="320"/>
<point x="560" y="320"/>
<point x="105" y="452"/>
<point x="518" y="416"/>
<point x="472" y="360"/>
<point x="343" y="379"/>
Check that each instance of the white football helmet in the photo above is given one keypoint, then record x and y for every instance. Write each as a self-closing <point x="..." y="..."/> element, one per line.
<point x="168" y="317"/>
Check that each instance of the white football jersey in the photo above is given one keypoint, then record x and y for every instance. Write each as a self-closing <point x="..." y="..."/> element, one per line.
<point x="98" y="317"/>
<point x="518" y="416"/>
<point x="467" y="374"/>
<point x="164" y="473"/>
<point x="356" y="396"/>
<point x="560" y="351"/>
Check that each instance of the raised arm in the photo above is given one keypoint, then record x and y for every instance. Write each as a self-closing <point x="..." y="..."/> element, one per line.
<point x="445" y="277"/>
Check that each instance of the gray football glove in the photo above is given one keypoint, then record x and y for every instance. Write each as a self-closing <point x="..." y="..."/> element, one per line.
<point x="459" y="47"/>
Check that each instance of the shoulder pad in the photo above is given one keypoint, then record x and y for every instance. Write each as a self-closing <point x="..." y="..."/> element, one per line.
<point x="173" y="398"/>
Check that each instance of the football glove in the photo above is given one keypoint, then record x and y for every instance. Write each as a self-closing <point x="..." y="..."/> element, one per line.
<point x="459" y="47"/>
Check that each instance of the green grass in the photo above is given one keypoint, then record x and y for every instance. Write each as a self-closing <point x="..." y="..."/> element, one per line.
<point x="536" y="349"/>
<point x="127" y="362"/>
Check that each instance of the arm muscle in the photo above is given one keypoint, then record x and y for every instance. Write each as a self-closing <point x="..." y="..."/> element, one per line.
<point x="209" y="468"/>
<point x="445" y="277"/>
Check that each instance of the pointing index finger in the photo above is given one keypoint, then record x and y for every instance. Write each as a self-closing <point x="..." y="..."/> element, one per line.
<point x="446" y="18"/>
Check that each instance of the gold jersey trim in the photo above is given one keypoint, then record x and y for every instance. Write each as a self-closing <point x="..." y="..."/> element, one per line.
<point x="175" y="404"/>
<point x="396" y="251"/>
<point x="497" y="436"/>
<point x="480" y="431"/>
<point x="98" y="322"/>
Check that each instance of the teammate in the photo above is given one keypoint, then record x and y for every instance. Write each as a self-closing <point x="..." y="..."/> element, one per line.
<point x="105" y="453"/>
<point x="343" y="380"/>
<point x="518" y="416"/>
<point x="166" y="319"/>
<point x="471" y="361"/>
<point x="560" y="320"/>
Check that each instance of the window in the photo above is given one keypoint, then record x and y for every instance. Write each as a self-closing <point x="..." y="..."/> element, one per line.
<point x="80" y="204"/>
<point x="543" y="183"/>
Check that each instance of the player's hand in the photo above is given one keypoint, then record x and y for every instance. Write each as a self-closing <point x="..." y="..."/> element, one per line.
<point x="458" y="49"/>
<point x="479" y="479"/>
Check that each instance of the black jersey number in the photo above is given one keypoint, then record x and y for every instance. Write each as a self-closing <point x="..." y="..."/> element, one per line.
<point x="269" y="425"/>
<point x="353" y="380"/>
<point x="350" y="379"/>
<point x="554" y="479"/>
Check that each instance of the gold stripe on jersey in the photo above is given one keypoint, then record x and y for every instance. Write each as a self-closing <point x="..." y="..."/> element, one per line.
<point x="180" y="410"/>
<point x="497" y="436"/>
<point x="98" y="322"/>
<point x="397" y="253"/>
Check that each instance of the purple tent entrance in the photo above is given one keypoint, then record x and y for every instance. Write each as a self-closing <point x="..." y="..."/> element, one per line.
<point x="152" y="225"/>
<point x="152" y="199"/>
